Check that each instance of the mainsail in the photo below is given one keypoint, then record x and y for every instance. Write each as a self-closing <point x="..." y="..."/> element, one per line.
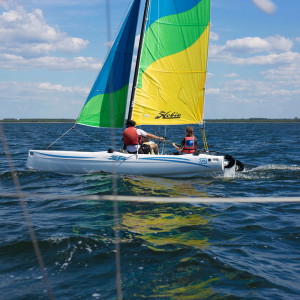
<point x="113" y="79"/>
<point x="172" y="69"/>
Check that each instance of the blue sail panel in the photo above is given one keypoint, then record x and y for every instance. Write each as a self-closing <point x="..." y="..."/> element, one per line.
<point x="113" y="79"/>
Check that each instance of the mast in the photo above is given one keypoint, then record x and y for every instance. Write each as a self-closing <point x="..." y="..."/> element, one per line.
<point x="138" y="59"/>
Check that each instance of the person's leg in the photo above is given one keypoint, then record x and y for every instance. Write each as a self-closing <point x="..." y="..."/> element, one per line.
<point x="141" y="151"/>
<point x="155" y="148"/>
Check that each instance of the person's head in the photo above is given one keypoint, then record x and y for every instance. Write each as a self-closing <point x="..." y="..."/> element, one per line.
<point x="189" y="131"/>
<point x="130" y="123"/>
<point x="145" y="139"/>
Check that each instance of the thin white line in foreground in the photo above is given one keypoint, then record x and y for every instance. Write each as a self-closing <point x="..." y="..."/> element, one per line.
<point x="155" y="199"/>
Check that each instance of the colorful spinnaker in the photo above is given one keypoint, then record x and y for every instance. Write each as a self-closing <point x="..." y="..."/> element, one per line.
<point x="172" y="70"/>
<point x="111" y="85"/>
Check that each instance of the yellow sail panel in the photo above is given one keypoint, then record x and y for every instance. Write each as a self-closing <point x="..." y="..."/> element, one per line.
<point x="172" y="89"/>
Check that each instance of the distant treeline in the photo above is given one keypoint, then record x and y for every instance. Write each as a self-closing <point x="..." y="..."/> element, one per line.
<point x="251" y="120"/>
<point x="12" y="120"/>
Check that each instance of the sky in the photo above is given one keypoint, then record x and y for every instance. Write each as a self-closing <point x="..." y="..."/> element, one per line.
<point x="51" y="53"/>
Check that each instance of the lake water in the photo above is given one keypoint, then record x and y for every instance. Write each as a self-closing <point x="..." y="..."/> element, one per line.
<point x="168" y="251"/>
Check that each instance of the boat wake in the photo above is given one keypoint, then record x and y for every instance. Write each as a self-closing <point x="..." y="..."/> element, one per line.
<point x="273" y="167"/>
<point x="268" y="171"/>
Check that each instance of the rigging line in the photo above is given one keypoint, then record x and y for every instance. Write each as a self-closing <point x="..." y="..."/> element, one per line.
<point x="114" y="177"/>
<point x="167" y="141"/>
<point x="73" y="127"/>
<point x="165" y="138"/>
<point x="25" y="212"/>
<point x="91" y="137"/>
<point x="205" y="146"/>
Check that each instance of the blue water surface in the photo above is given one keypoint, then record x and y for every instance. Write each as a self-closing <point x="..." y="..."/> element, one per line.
<point x="168" y="250"/>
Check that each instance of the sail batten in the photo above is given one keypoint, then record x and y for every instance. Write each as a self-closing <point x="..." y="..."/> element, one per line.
<point x="172" y="69"/>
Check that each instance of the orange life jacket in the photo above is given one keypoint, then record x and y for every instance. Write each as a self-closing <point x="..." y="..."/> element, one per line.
<point x="130" y="136"/>
<point x="189" y="145"/>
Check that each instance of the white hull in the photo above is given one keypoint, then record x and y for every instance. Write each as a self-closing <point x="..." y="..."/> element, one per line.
<point x="75" y="162"/>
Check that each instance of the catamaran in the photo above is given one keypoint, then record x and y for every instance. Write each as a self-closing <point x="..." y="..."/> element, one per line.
<point x="168" y="89"/>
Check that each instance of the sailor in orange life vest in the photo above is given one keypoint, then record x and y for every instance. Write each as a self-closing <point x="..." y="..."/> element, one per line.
<point x="131" y="137"/>
<point x="189" y="143"/>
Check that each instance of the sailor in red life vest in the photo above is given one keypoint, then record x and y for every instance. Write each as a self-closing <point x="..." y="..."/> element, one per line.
<point x="131" y="137"/>
<point x="189" y="143"/>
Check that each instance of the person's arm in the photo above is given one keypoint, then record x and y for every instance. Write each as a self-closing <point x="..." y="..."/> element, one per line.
<point x="146" y="134"/>
<point x="176" y="147"/>
<point x="152" y="136"/>
<point x="196" y="145"/>
<point x="181" y="146"/>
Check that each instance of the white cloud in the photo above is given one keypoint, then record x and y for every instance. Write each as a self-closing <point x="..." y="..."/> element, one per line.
<point x="278" y="93"/>
<point x="246" y="45"/>
<point x="271" y="59"/>
<point x="15" y="62"/>
<point x="108" y="44"/>
<point x="216" y="51"/>
<point x="26" y="41"/>
<point x="4" y="4"/>
<point x="275" y="43"/>
<point x="43" y="100"/>
<point x="251" y="89"/>
<point x="251" y="45"/>
<point x="40" y="88"/>
<point x="248" y="86"/>
<point x="285" y="74"/>
<point x="266" y="5"/>
<point x="279" y="43"/>
<point x="213" y="36"/>
<point x="251" y="98"/>
<point x="211" y="91"/>
<point x="231" y="75"/>
<point x="29" y="35"/>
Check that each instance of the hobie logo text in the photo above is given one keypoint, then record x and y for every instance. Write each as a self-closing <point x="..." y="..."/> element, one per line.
<point x="168" y="115"/>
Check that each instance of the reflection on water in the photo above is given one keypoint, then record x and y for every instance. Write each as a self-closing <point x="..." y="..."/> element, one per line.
<point x="101" y="183"/>
<point x="166" y="228"/>
<point x="150" y="186"/>
<point x="179" y="232"/>
<point x="182" y="231"/>
<point x="161" y="226"/>
<point x="186" y="287"/>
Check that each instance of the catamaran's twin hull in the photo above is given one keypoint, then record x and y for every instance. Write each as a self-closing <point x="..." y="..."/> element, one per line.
<point x="122" y="163"/>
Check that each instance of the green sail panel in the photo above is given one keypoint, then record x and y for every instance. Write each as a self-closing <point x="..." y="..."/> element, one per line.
<point x="106" y="103"/>
<point x="97" y="111"/>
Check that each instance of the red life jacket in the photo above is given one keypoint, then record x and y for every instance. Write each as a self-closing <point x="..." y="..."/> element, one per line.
<point x="130" y="136"/>
<point x="189" y="145"/>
